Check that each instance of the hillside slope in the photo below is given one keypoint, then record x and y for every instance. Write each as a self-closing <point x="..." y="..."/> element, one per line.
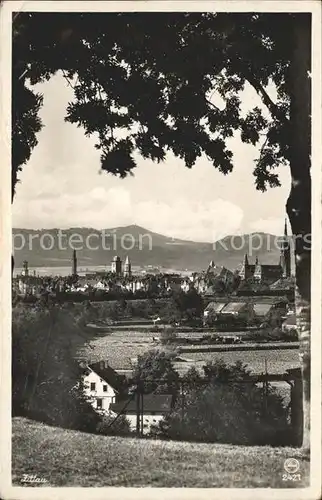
<point x="70" y="458"/>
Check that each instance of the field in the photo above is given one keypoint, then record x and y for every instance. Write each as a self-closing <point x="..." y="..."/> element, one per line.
<point x="70" y="458"/>
<point x="119" y="347"/>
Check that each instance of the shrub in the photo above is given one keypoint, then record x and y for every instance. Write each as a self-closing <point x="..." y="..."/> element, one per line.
<point x="112" y="426"/>
<point x="168" y="335"/>
<point x="290" y="335"/>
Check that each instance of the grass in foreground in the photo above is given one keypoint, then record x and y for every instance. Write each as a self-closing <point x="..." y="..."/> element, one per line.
<point x="70" y="458"/>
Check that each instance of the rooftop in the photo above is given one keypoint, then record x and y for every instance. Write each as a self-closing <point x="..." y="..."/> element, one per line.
<point x="158" y="403"/>
<point x="108" y="374"/>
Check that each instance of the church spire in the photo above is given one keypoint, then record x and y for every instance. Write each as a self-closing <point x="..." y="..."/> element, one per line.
<point x="285" y="258"/>
<point x="74" y="263"/>
<point x="245" y="270"/>
<point x="127" y="267"/>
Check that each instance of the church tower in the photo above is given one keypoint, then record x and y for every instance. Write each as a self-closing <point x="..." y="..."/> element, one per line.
<point x="74" y="263"/>
<point x="285" y="258"/>
<point x="25" y="270"/>
<point x="245" y="271"/>
<point x="127" y="267"/>
<point x="116" y="266"/>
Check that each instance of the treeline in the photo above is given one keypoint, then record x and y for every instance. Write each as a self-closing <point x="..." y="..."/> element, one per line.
<point x="179" y="308"/>
<point x="93" y="296"/>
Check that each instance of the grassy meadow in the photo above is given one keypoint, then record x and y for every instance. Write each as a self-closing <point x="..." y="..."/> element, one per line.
<point x="71" y="458"/>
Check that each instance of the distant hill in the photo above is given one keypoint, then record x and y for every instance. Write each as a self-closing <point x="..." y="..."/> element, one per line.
<point x="47" y="247"/>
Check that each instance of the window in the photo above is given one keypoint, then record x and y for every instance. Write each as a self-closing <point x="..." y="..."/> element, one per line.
<point x="100" y="403"/>
<point x="104" y="388"/>
<point x="93" y="386"/>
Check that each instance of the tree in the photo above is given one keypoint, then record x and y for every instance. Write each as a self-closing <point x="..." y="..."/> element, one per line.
<point x="224" y="409"/>
<point x="46" y="379"/>
<point x="118" y="64"/>
<point x="155" y="373"/>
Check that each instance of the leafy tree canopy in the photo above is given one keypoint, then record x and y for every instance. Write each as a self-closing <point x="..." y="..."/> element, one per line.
<point x="145" y="83"/>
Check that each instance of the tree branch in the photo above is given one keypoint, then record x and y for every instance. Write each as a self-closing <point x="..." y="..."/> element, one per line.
<point x="271" y="106"/>
<point x="261" y="151"/>
<point x="67" y="79"/>
<point x="212" y="105"/>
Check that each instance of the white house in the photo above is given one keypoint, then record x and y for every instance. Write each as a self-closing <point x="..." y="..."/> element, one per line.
<point x="101" y="286"/>
<point x="102" y="385"/>
<point x="186" y="285"/>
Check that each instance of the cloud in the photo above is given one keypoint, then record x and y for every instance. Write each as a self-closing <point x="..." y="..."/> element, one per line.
<point x="202" y="221"/>
<point x="270" y="225"/>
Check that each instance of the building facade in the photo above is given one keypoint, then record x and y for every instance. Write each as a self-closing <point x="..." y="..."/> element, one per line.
<point x="268" y="273"/>
<point x="127" y="267"/>
<point x="116" y="266"/>
<point x="102" y="385"/>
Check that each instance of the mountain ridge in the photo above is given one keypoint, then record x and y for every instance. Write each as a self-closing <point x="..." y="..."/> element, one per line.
<point x="155" y="249"/>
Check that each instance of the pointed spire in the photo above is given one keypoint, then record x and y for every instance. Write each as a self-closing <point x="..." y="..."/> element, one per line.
<point x="127" y="267"/>
<point x="74" y="263"/>
<point x="246" y="260"/>
<point x="256" y="261"/>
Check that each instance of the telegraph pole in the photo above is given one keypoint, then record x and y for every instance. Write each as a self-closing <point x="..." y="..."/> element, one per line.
<point x="141" y="413"/>
<point x="182" y="402"/>
<point x="138" y="407"/>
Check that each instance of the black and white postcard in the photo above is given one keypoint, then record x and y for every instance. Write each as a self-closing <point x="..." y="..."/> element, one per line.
<point x="161" y="249"/>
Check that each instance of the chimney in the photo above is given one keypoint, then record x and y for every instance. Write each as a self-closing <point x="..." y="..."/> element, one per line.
<point x="104" y="364"/>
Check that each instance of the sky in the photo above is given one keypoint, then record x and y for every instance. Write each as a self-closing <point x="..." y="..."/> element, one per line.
<point x="62" y="185"/>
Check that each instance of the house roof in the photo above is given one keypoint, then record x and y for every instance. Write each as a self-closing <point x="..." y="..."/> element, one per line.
<point x="158" y="403"/>
<point x="262" y="299"/>
<point x="108" y="374"/>
<point x="268" y="269"/>
<point x="215" y="306"/>
<point x="216" y="270"/>
<point x="232" y="307"/>
<point x="262" y="309"/>
<point x="269" y="266"/>
<point x="283" y="283"/>
<point x="241" y="266"/>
